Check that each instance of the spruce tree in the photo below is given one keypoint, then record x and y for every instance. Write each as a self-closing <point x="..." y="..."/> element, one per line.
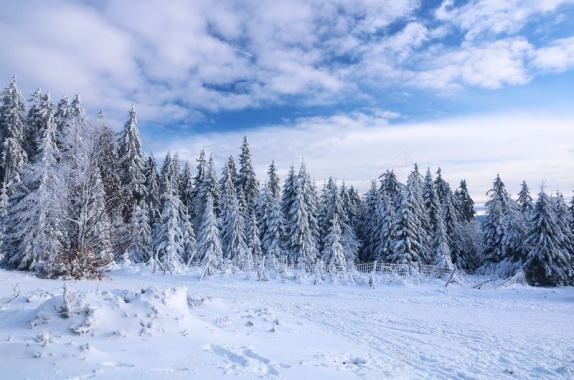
<point x="274" y="235"/>
<point x="246" y="179"/>
<point x="333" y="252"/>
<point x="131" y="162"/>
<point x="233" y="226"/>
<point x="186" y="188"/>
<point x="525" y="200"/>
<point x="153" y="194"/>
<point x="254" y="250"/>
<point x="368" y="225"/>
<point x="33" y="221"/>
<point x="548" y="262"/>
<point x="38" y="113"/>
<point x="208" y="240"/>
<point x="407" y="245"/>
<point x="169" y="234"/>
<point x="465" y="202"/>
<point x="440" y="248"/>
<point x="13" y="133"/>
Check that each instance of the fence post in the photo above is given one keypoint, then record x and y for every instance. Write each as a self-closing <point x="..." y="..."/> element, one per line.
<point x="372" y="280"/>
<point x="450" y="278"/>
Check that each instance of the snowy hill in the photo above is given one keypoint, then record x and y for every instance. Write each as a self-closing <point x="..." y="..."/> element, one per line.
<point x="138" y="324"/>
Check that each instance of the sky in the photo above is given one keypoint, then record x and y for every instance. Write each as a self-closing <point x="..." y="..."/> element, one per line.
<point x="353" y="88"/>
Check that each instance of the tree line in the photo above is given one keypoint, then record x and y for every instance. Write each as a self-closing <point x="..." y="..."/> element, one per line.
<point x="77" y="196"/>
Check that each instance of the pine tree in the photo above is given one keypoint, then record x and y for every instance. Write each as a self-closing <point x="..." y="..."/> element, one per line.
<point x="288" y="197"/>
<point x="440" y="248"/>
<point x="63" y="117"/>
<point x="197" y="183"/>
<point x="312" y="204"/>
<point x="548" y="262"/>
<point x="139" y="249"/>
<point x="503" y="231"/>
<point x="525" y="200"/>
<point x="425" y="233"/>
<point x="407" y="245"/>
<point x="254" y="250"/>
<point x="273" y="183"/>
<point x="333" y="252"/>
<point x="384" y="233"/>
<point x="368" y="225"/>
<point x="301" y="244"/>
<point x="169" y="234"/>
<point x="12" y="134"/>
<point x="186" y="188"/>
<point x="233" y="225"/>
<point x="391" y="186"/>
<point x="33" y="221"/>
<point x="246" y="179"/>
<point x="153" y="195"/>
<point x="273" y="236"/>
<point x="465" y="202"/>
<point x="38" y="113"/>
<point x="131" y="162"/>
<point x="168" y="237"/>
<point x="208" y="241"/>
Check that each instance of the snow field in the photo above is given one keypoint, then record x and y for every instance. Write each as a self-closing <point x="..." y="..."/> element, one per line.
<point x="138" y="324"/>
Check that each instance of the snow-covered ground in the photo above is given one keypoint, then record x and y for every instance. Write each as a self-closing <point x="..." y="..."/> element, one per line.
<point x="135" y="324"/>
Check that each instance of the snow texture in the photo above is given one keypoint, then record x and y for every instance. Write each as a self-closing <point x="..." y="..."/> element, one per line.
<point x="135" y="324"/>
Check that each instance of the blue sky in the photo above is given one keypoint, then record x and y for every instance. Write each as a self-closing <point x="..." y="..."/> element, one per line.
<point x="477" y="87"/>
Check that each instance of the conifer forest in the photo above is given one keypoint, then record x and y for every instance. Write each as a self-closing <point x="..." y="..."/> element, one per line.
<point x="78" y="197"/>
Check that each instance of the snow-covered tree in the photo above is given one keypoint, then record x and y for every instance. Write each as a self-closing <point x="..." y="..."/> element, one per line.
<point x="107" y="161"/>
<point x="503" y="232"/>
<point x="12" y="133"/>
<point x="333" y="252"/>
<point x="207" y="187"/>
<point x="233" y="226"/>
<point x="548" y="261"/>
<point x="254" y="250"/>
<point x="153" y="195"/>
<point x="407" y="245"/>
<point x="38" y="113"/>
<point x="186" y="187"/>
<point x="440" y="249"/>
<point x="139" y="248"/>
<point x="168" y="236"/>
<point x="88" y="227"/>
<point x="273" y="183"/>
<point x="465" y="203"/>
<point x="525" y="200"/>
<point x="368" y="225"/>
<point x="246" y="179"/>
<point x="169" y="233"/>
<point x="273" y="236"/>
<point x="384" y="233"/>
<point x="131" y="161"/>
<point x="209" y="249"/>
<point x="33" y="221"/>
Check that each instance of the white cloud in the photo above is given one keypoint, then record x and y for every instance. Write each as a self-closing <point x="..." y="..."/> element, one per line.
<point x="489" y="65"/>
<point x="180" y="58"/>
<point x="559" y="56"/>
<point x="492" y="17"/>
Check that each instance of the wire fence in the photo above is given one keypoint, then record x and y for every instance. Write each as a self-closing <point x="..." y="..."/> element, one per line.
<point x="384" y="271"/>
